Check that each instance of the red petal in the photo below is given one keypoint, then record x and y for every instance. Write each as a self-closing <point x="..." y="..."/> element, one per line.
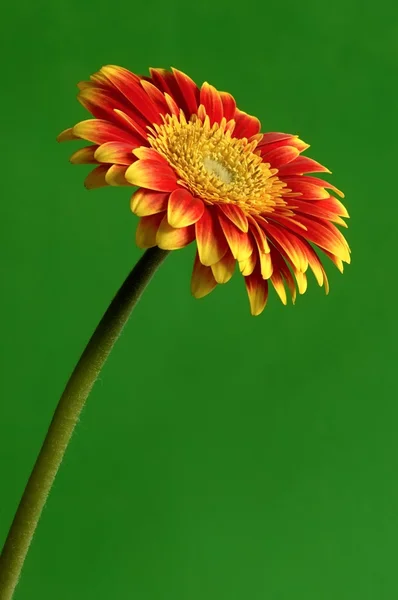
<point x="161" y="79"/>
<point x="224" y="268"/>
<point x="211" y="242"/>
<point x="129" y="85"/>
<point x="152" y="175"/>
<point x="136" y="131"/>
<point x="156" y="96"/>
<point x="183" y="209"/>
<point x="170" y="238"/>
<point x="280" y="156"/>
<point x="147" y="229"/>
<point x="271" y="137"/>
<point x="236" y="215"/>
<point x="189" y="91"/>
<point x="202" y="282"/>
<point x="107" y="103"/>
<point x="211" y="100"/>
<point x="239" y="242"/>
<point x="308" y="191"/>
<point x="146" y="202"/>
<point x="168" y="84"/>
<point x="173" y="106"/>
<point x="257" y="290"/>
<point x="290" y="181"/>
<point x="229" y="105"/>
<point x="246" y="125"/>
<point x="302" y="164"/>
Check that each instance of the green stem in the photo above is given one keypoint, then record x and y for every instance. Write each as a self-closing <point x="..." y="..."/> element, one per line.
<point x="66" y="416"/>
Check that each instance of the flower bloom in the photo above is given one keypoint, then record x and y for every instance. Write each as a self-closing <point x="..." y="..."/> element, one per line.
<point x="204" y="172"/>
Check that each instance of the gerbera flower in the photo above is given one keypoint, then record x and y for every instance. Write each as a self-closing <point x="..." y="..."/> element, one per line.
<point x="205" y="173"/>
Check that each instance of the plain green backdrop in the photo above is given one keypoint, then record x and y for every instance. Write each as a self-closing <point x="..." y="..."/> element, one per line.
<point x="220" y="456"/>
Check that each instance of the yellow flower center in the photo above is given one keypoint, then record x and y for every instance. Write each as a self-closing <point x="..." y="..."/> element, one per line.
<point x="215" y="166"/>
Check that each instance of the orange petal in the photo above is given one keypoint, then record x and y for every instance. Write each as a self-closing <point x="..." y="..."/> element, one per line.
<point x="291" y="141"/>
<point x="335" y="260"/>
<point x="145" y="236"/>
<point x="145" y="153"/>
<point x="224" y="268"/>
<point x="99" y="132"/>
<point x="236" y="215"/>
<point x="211" y="100"/>
<point x="247" y="266"/>
<point x="115" y="152"/>
<point x="174" y="109"/>
<point x="211" y="241"/>
<point x="315" y="263"/>
<point x="146" y="202"/>
<point x="266" y="266"/>
<point x="152" y="175"/>
<point x="239" y="242"/>
<point x="183" y="209"/>
<point x="202" y="281"/>
<point x="257" y="290"/>
<point x="280" y="156"/>
<point x="245" y="125"/>
<point x="259" y="234"/>
<point x="308" y="191"/>
<point x="99" y="78"/>
<point x="96" y="178"/>
<point x="277" y="282"/>
<point x="289" y="244"/>
<point x="281" y="266"/>
<point x="116" y="175"/>
<point x="326" y="236"/>
<point x="169" y="238"/>
<point x="138" y="133"/>
<point x="67" y="135"/>
<point x="322" y="209"/>
<point x="84" y="156"/>
<point x="301" y="279"/>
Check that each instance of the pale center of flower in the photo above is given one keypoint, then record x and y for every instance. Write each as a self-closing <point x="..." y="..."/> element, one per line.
<point x="215" y="166"/>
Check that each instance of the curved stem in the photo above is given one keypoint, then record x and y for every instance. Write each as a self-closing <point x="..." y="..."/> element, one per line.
<point x="66" y="416"/>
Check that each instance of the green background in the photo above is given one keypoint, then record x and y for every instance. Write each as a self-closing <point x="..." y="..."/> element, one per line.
<point x="220" y="456"/>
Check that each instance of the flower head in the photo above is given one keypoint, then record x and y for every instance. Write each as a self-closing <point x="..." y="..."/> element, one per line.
<point x="205" y="173"/>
